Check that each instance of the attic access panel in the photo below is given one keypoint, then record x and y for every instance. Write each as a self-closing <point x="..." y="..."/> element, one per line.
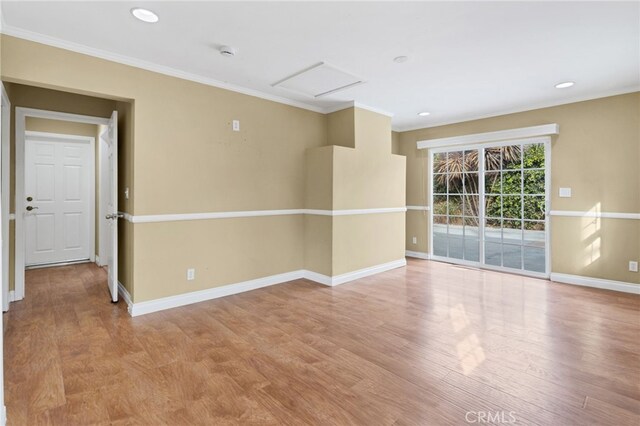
<point x="319" y="80"/>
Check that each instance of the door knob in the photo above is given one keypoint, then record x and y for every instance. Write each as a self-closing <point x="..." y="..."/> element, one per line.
<point x="29" y="208"/>
<point x="114" y="216"/>
<point x="29" y="198"/>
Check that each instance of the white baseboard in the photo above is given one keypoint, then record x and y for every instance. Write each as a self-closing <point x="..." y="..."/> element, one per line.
<point x="350" y="276"/>
<point x="596" y="282"/>
<point x="361" y="273"/>
<point x="317" y="277"/>
<point x="12" y="296"/>
<point x="122" y="291"/>
<point x="417" y="254"/>
<point x="156" y="305"/>
<point x="141" y="308"/>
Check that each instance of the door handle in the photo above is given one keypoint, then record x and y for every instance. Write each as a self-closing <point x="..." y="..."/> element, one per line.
<point x="29" y="208"/>
<point x="114" y="216"/>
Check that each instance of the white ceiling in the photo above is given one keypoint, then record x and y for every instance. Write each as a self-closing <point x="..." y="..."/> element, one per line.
<point x="466" y="59"/>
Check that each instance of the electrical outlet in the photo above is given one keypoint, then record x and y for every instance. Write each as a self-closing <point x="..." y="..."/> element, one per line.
<point x="126" y="193"/>
<point x="191" y="274"/>
<point x="415" y="240"/>
<point x="633" y="266"/>
<point x="236" y="125"/>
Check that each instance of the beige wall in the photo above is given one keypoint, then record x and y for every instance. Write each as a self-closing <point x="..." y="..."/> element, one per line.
<point x="367" y="179"/>
<point x="184" y="158"/>
<point x="319" y="178"/>
<point x="363" y="241"/>
<point x="362" y="176"/>
<point x="395" y="142"/>
<point x="318" y="244"/>
<point x="222" y="252"/>
<point x="341" y="128"/>
<point x="596" y="154"/>
<point x="60" y="127"/>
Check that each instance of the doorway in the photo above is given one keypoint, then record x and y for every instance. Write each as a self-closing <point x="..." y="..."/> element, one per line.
<point x="490" y="205"/>
<point x="55" y="212"/>
<point x="59" y="218"/>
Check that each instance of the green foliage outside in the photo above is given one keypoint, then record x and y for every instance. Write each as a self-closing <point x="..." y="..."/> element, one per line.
<point x="456" y="176"/>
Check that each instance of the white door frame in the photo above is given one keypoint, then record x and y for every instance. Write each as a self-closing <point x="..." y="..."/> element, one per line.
<point x="4" y="215"/>
<point x="21" y="115"/>
<point x="59" y="137"/>
<point x="6" y="190"/>
<point x="103" y="181"/>
<point x="480" y="147"/>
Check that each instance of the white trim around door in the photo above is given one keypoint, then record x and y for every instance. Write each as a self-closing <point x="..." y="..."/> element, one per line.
<point x="5" y="190"/>
<point x="20" y="129"/>
<point x="491" y="137"/>
<point x="480" y="147"/>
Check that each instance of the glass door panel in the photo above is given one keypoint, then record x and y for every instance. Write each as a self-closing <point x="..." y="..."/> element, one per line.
<point x="456" y="205"/>
<point x="491" y="212"/>
<point x="534" y="204"/>
<point x="515" y="204"/>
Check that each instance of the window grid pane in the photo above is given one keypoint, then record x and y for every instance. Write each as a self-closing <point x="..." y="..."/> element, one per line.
<point x="514" y="205"/>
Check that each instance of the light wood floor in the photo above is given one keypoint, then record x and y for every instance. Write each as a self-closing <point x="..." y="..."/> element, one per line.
<point x="422" y="345"/>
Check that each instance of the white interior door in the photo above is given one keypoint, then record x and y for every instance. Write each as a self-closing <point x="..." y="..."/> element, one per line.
<point x="58" y="199"/>
<point x="112" y="206"/>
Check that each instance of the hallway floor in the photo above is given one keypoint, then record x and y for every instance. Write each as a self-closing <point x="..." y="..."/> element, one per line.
<point x="429" y="344"/>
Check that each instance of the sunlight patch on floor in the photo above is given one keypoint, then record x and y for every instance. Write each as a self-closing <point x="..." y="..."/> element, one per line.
<point x="469" y="349"/>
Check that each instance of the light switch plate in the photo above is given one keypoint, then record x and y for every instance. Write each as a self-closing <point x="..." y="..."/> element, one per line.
<point x="564" y="193"/>
<point x="633" y="266"/>
<point x="236" y="125"/>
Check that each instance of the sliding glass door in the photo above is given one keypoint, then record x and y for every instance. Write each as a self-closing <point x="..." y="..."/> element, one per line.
<point x="489" y="206"/>
<point x="456" y="205"/>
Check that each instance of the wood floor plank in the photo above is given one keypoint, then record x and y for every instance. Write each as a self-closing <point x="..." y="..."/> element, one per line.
<point x="422" y="345"/>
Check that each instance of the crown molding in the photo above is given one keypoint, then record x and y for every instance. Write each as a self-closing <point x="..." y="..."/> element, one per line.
<point x="354" y="104"/>
<point x="172" y="72"/>
<point x="464" y="119"/>
<point x="149" y="66"/>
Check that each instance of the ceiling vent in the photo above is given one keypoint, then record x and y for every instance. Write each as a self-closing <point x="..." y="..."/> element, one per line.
<point x="319" y="80"/>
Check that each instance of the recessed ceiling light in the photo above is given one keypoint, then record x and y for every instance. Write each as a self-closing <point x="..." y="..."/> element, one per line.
<point x="228" y="51"/>
<point x="424" y="114"/>
<point x="564" y="85"/>
<point x="400" y="59"/>
<point x="145" y="15"/>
